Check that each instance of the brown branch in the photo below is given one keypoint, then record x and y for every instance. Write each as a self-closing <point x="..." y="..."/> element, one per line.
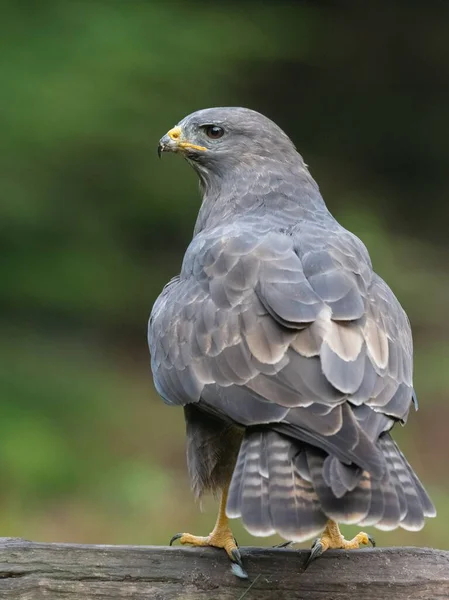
<point x="33" y="571"/>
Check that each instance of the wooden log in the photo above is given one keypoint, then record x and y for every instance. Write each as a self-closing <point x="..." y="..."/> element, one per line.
<point x="35" y="571"/>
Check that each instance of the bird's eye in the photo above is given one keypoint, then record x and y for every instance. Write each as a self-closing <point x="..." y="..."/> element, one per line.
<point x="214" y="132"/>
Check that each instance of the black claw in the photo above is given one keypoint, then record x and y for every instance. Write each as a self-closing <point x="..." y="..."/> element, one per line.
<point x="236" y="556"/>
<point x="177" y="536"/>
<point x="283" y="545"/>
<point x="238" y="571"/>
<point x="372" y="541"/>
<point x="237" y="564"/>
<point x="315" y="552"/>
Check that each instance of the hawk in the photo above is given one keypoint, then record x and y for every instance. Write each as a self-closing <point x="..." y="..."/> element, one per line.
<point x="291" y="357"/>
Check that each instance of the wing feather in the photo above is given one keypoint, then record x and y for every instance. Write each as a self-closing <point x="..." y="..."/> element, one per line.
<point x="263" y="325"/>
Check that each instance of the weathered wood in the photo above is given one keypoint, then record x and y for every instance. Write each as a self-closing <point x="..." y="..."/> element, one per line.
<point x="33" y="571"/>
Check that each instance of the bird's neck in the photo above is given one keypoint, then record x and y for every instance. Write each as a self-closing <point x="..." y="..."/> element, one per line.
<point x="286" y="193"/>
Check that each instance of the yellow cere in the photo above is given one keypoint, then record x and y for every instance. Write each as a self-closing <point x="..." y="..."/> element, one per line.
<point x="175" y="135"/>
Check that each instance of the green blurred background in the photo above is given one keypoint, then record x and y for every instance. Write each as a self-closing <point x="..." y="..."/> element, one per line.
<point x="92" y="225"/>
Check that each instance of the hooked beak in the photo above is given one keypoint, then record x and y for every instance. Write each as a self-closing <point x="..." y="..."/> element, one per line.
<point x="173" y="141"/>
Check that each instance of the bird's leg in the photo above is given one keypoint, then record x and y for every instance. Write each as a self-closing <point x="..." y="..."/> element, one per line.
<point x="331" y="538"/>
<point x="220" y="537"/>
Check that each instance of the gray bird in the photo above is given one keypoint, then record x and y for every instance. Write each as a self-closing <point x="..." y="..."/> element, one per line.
<point x="291" y="358"/>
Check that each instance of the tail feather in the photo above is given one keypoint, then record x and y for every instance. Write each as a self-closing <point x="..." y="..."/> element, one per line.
<point x="284" y="486"/>
<point x="398" y="491"/>
<point x="255" y="485"/>
<point x="248" y="494"/>
<point x="233" y="507"/>
<point x="391" y="516"/>
<point x="426" y="502"/>
<point x="376" y="506"/>
<point x="268" y="492"/>
<point x="294" y="506"/>
<point x="349" y="508"/>
<point x="417" y="503"/>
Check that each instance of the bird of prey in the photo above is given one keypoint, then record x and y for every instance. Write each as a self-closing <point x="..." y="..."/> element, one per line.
<point x="291" y="357"/>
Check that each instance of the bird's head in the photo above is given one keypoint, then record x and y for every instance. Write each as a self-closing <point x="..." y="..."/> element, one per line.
<point x="244" y="162"/>
<point x="217" y="139"/>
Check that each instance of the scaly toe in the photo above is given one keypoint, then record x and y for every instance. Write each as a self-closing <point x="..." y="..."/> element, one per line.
<point x="221" y="538"/>
<point x="361" y="539"/>
<point x="192" y="540"/>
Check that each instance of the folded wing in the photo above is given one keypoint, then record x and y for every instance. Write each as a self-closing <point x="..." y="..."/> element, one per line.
<point x="265" y="327"/>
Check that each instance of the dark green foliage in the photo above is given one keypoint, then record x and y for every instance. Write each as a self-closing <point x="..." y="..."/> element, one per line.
<point x="92" y="225"/>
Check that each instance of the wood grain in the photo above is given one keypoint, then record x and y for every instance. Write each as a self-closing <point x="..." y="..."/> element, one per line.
<point x="35" y="571"/>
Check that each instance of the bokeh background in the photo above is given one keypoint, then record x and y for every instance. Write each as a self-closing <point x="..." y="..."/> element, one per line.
<point x="92" y="225"/>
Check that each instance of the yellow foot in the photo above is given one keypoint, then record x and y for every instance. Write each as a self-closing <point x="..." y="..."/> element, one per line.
<point x="332" y="539"/>
<point x="218" y="538"/>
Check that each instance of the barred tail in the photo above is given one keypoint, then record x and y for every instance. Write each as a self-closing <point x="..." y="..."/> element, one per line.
<point x="406" y="500"/>
<point x="268" y="492"/>
<point x="281" y="485"/>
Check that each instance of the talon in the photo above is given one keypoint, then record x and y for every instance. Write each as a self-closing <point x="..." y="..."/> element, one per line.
<point x="316" y="551"/>
<point x="331" y="538"/>
<point x="220" y="537"/>
<point x="177" y="536"/>
<point x="237" y="564"/>
<point x="236" y="556"/>
<point x="238" y="571"/>
<point x="283" y="545"/>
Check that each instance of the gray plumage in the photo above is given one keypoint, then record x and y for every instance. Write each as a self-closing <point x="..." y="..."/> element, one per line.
<point x="291" y="357"/>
